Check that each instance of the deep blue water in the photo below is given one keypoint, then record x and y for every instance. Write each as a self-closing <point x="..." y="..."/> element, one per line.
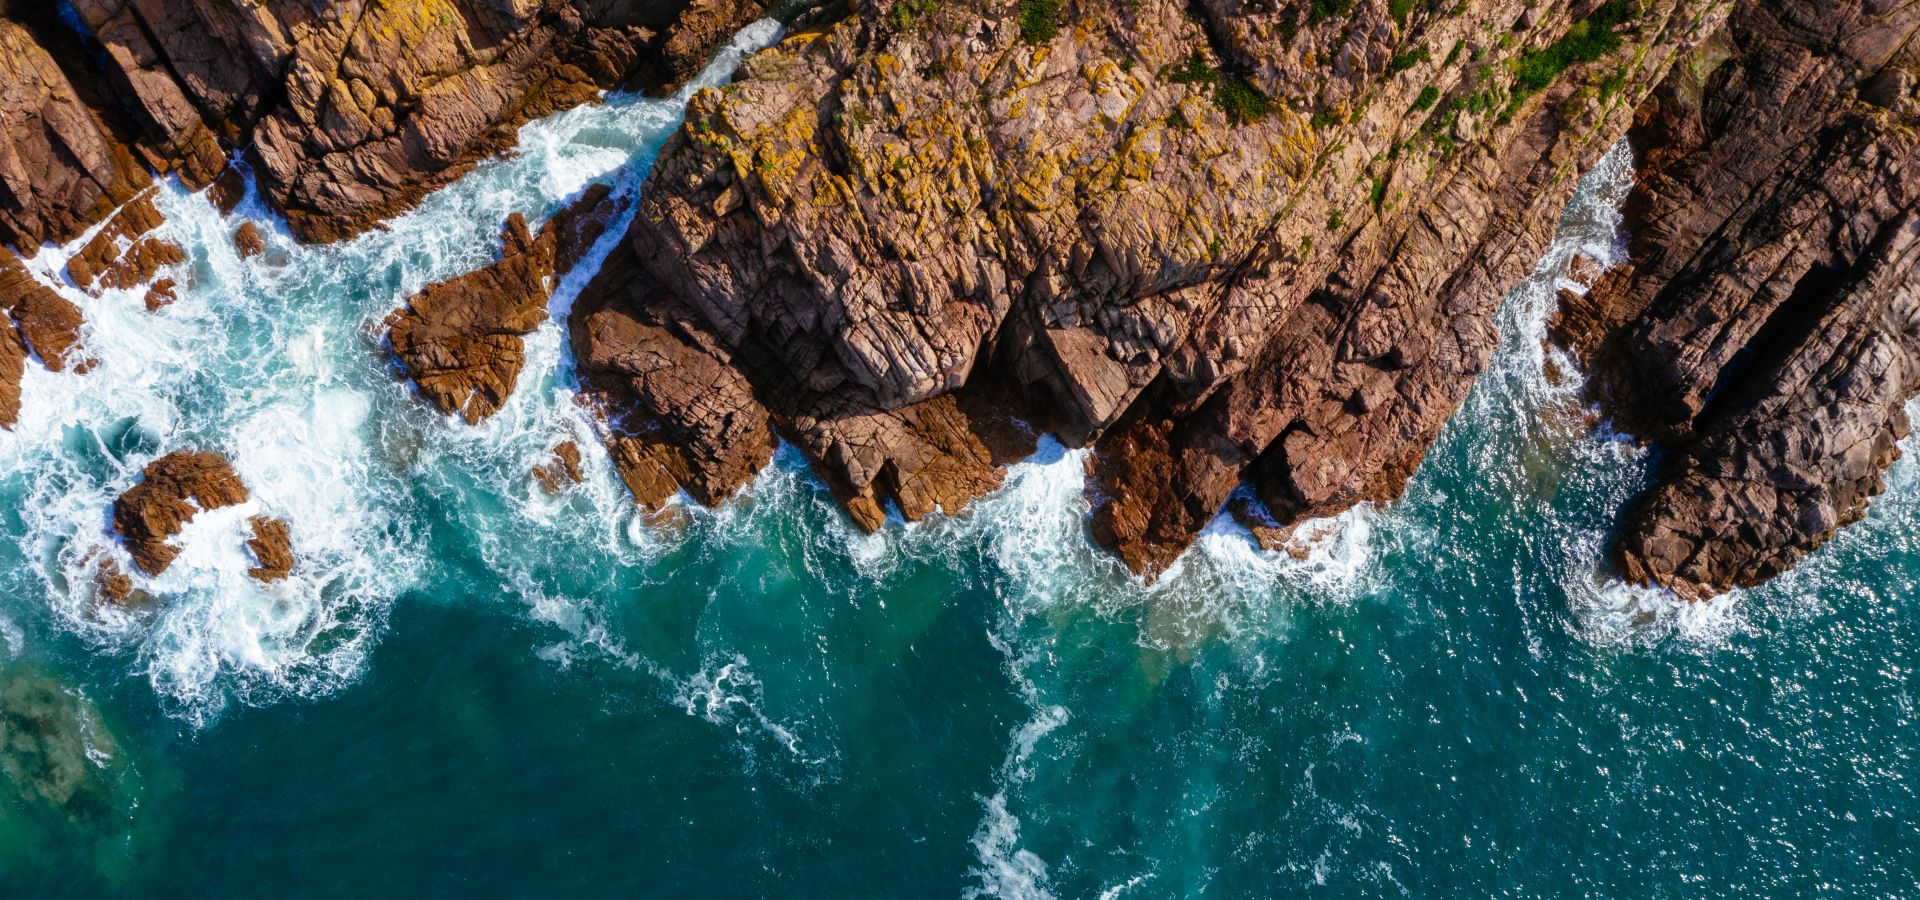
<point x="471" y="687"/>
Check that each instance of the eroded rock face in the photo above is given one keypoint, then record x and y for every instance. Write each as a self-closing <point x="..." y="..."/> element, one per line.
<point x="352" y="111"/>
<point x="460" y="339"/>
<point x="124" y="252"/>
<point x="1767" y="327"/>
<point x="171" y="491"/>
<point x="61" y="167"/>
<point x="1219" y="241"/>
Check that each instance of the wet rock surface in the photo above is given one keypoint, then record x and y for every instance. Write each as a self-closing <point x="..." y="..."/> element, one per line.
<point x="562" y="471"/>
<point x="1766" y="331"/>
<point x="37" y="321"/>
<point x="171" y="491"/>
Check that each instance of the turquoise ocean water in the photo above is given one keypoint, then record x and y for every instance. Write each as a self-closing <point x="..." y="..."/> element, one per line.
<point x="472" y="688"/>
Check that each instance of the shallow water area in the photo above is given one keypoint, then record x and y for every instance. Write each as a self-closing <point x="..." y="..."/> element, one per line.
<point x="469" y="685"/>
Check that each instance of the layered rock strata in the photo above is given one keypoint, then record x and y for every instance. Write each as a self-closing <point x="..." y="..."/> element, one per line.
<point x="1766" y="331"/>
<point x="1219" y="242"/>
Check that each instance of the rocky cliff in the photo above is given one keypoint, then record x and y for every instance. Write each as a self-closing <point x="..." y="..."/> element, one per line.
<point x="1767" y="329"/>
<point x="1221" y="242"/>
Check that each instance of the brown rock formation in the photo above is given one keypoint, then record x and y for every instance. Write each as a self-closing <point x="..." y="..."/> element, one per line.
<point x="36" y="319"/>
<point x="562" y="471"/>
<point x="679" y="414"/>
<point x="159" y="294"/>
<point x="247" y="240"/>
<point x="171" y="490"/>
<point x="1767" y="330"/>
<point x="61" y="167"/>
<point x="352" y="111"/>
<point x="272" y="548"/>
<point x="1221" y="241"/>
<point x="460" y="339"/>
<point x="123" y="253"/>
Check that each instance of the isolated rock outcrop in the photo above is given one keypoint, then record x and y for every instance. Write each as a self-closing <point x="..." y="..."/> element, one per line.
<point x="33" y="319"/>
<point x="172" y="489"/>
<point x="461" y="339"/>
<point x="1767" y="327"/>
<point x="272" y="548"/>
<point x="1221" y="242"/>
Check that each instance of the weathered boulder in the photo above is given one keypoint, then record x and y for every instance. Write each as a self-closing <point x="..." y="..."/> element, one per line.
<point x="171" y="491"/>
<point x="248" y="241"/>
<point x="460" y="339"/>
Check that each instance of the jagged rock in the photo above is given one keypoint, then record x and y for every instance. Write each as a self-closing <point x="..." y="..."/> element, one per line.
<point x="159" y="294"/>
<point x="272" y="548"/>
<point x="48" y="324"/>
<point x="114" y="586"/>
<point x="1175" y="231"/>
<point x="1764" y="328"/>
<point x="460" y="339"/>
<point x="13" y="367"/>
<point x="679" y="415"/>
<point x="562" y="471"/>
<point x="574" y="230"/>
<point x="351" y="112"/>
<point x="61" y="168"/>
<point x="122" y="253"/>
<point x="247" y="240"/>
<point x="227" y="191"/>
<point x="36" y="320"/>
<point x="171" y="490"/>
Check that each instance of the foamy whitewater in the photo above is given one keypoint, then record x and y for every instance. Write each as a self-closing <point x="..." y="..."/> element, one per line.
<point x="470" y="685"/>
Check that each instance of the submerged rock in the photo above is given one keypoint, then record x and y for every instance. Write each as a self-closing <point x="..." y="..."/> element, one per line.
<point x="54" y="750"/>
<point x="171" y="491"/>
